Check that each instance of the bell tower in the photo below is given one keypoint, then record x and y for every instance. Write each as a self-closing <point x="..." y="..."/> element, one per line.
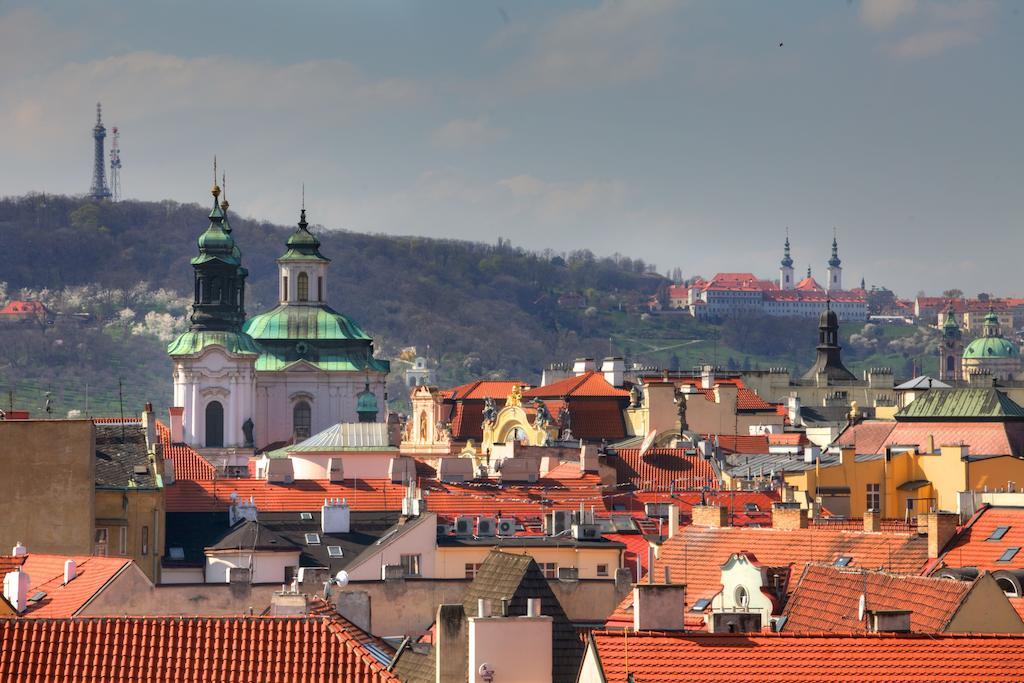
<point x="951" y="349"/>
<point x="786" y="267"/>
<point x="835" y="270"/>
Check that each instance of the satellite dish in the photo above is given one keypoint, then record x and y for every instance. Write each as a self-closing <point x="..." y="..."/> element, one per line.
<point x="648" y="442"/>
<point x="341" y="578"/>
<point x="860" y="608"/>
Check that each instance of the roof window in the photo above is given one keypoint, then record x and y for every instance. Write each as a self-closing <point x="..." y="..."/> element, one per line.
<point x="998" y="533"/>
<point x="843" y="561"/>
<point x="1008" y="554"/>
<point x="176" y="553"/>
<point x="700" y="605"/>
<point x="312" y="539"/>
<point x="335" y="551"/>
<point x="751" y="507"/>
<point x="305" y="515"/>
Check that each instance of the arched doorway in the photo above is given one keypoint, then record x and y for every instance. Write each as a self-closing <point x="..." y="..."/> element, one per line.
<point x="214" y="425"/>
<point x="302" y="420"/>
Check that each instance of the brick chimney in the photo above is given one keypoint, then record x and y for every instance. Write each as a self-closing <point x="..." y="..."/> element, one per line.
<point x="872" y="521"/>
<point x="451" y="640"/>
<point x="788" y="516"/>
<point x="658" y="607"/>
<point x="709" y="515"/>
<point x="177" y="415"/>
<point x="673" y="520"/>
<point x="941" y="528"/>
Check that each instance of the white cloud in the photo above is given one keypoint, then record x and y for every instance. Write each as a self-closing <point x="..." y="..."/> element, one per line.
<point x="931" y="43"/>
<point x="881" y="15"/>
<point x="466" y="133"/>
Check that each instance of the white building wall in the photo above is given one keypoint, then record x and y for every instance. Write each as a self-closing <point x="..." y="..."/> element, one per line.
<point x="215" y="375"/>
<point x="267" y="567"/>
<point x="358" y="465"/>
<point x="420" y="541"/>
<point x="501" y="642"/>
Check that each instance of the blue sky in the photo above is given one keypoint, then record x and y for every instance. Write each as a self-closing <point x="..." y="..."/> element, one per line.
<point x="680" y="133"/>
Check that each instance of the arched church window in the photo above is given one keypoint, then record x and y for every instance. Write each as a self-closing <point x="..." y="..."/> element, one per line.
<point x="284" y="288"/>
<point x="302" y="420"/>
<point x="303" y="283"/>
<point x="199" y="289"/>
<point x="950" y="363"/>
<point x="214" y="425"/>
<point x="319" y="288"/>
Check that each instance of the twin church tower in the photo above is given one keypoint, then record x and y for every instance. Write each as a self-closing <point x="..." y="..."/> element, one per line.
<point x="279" y="376"/>
<point x="835" y="269"/>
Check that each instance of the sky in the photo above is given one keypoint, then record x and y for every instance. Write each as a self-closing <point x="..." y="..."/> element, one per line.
<point x="689" y="134"/>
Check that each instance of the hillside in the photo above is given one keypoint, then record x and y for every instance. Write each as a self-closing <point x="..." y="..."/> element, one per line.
<point x="472" y="309"/>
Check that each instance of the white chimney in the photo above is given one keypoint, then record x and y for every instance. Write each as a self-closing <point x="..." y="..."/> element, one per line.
<point x="149" y="424"/>
<point x="177" y="426"/>
<point x="811" y="454"/>
<point x="483" y="608"/>
<point x="658" y="607"/>
<point x="19" y="550"/>
<point x="793" y="410"/>
<point x="533" y="607"/>
<point x="70" y="571"/>
<point x="16" y="590"/>
<point x="583" y="365"/>
<point x="707" y="377"/>
<point x="335" y="517"/>
<point x="614" y="370"/>
<point x="673" y="520"/>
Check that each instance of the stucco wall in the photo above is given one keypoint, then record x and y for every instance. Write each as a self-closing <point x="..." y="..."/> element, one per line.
<point x="421" y="540"/>
<point x="986" y="610"/>
<point x="358" y="465"/>
<point x="267" y="567"/>
<point x="452" y="561"/>
<point x="145" y="509"/>
<point x="47" y="485"/>
<point x="500" y="643"/>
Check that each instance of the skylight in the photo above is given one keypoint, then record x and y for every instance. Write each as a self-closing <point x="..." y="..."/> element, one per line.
<point x="844" y="561"/>
<point x="998" y="533"/>
<point x="751" y="507"/>
<point x="312" y="539"/>
<point x="177" y="553"/>
<point x="700" y="605"/>
<point x="37" y="597"/>
<point x="1008" y="554"/>
<point x="305" y="515"/>
<point x="335" y="551"/>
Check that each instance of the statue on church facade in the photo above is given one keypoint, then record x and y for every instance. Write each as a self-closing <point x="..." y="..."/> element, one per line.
<point x="247" y="429"/>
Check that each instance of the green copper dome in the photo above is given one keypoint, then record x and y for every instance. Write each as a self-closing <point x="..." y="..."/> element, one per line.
<point x="216" y="243"/>
<point x="366" y="402"/>
<point x="302" y="244"/>
<point x="991" y="347"/>
<point x="317" y="322"/>
<point x="194" y="341"/>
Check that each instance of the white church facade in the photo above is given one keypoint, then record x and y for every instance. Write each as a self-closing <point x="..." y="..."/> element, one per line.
<point x="280" y="376"/>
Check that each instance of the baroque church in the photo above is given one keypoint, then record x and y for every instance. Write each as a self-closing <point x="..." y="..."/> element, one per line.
<point x="279" y="376"/>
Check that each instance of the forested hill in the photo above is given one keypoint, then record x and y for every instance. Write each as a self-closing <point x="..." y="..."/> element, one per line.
<point x="473" y="309"/>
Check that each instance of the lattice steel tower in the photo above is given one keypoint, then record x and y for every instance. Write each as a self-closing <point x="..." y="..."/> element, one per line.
<point x="115" y="165"/>
<point x="99" y="189"/>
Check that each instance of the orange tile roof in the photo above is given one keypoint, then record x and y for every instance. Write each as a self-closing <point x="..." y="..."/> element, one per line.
<point x="971" y="547"/>
<point x="827" y="600"/>
<point x="46" y="575"/>
<point x="214" y="649"/>
<point x="661" y="468"/>
<point x="740" y="443"/>
<point x="787" y="438"/>
<point x="595" y="419"/>
<point x="654" y="657"/>
<point x="697" y="554"/>
<point x="188" y="464"/>
<point x="982" y="438"/>
<point x="481" y="389"/>
<point x="591" y="383"/>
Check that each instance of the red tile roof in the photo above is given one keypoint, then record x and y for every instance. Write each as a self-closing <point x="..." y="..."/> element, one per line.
<point x="661" y="468"/>
<point x="654" y="657"/>
<point x="736" y="502"/>
<point x="46" y="575"/>
<point x="697" y="554"/>
<point x="481" y="389"/>
<point x="787" y="438"/>
<point x="177" y="649"/>
<point x="590" y="383"/>
<point x="982" y="438"/>
<point x="740" y="443"/>
<point x="595" y="419"/>
<point x="188" y="465"/>
<point x="971" y="547"/>
<point x="827" y="600"/>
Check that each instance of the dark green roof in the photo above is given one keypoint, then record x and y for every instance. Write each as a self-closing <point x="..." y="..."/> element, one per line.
<point x="991" y="347"/>
<point x="302" y="244"/>
<point x="304" y="322"/>
<point x="962" y="404"/>
<point x="216" y="243"/>
<point x="194" y="341"/>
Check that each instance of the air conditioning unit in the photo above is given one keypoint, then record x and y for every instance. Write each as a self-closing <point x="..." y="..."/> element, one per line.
<point x="506" y="526"/>
<point x="586" y="532"/>
<point x="464" y="526"/>
<point x="445" y="529"/>
<point x="485" y="526"/>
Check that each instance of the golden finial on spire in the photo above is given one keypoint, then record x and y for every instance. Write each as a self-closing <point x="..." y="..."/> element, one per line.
<point x="216" y="190"/>
<point x="224" y="184"/>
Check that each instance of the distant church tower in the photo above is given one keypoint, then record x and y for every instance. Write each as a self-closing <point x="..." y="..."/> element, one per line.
<point x="835" y="271"/>
<point x="786" y="268"/>
<point x="951" y="349"/>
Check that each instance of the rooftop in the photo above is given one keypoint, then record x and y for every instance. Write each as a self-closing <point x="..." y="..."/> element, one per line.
<point x="46" y="579"/>
<point x="985" y="539"/>
<point x="122" y="460"/>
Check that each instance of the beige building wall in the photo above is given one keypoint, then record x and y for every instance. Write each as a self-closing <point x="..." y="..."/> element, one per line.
<point x="986" y="609"/>
<point x="47" y="485"/>
<point x="134" y="520"/>
<point x="452" y="560"/>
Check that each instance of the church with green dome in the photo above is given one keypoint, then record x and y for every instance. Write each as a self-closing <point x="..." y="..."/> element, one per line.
<point x="281" y="375"/>
<point x="991" y="353"/>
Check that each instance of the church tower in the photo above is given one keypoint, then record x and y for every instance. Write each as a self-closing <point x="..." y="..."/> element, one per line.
<point x="951" y="348"/>
<point x="214" y="361"/>
<point x="786" y="268"/>
<point x="835" y="271"/>
<point x="828" y="366"/>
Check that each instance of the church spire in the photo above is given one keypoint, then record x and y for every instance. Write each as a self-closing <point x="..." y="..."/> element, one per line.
<point x="787" y="260"/>
<point x="834" y="261"/>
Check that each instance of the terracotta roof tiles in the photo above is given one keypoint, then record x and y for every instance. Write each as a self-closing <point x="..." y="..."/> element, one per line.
<point x="188" y="464"/>
<point x="46" y="575"/>
<point x="661" y="468"/>
<point x="975" y="546"/>
<point x="591" y="383"/>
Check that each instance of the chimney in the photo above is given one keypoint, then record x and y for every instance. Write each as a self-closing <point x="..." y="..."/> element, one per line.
<point x="793" y="410"/>
<point x="583" y="365"/>
<point x="70" y="571"/>
<point x="811" y="454"/>
<point x="497" y="645"/>
<point x="941" y="529"/>
<point x="533" y="607"/>
<point x="19" y="550"/>
<point x="726" y="394"/>
<point x="788" y="516"/>
<point x="16" y="589"/>
<point x="872" y="521"/>
<point x="168" y="472"/>
<point x="239" y="511"/>
<point x="335" y="517"/>
<point x="614" y="370"/>
<point x="707" y="377"/>
<point x="288" y="603"/>
<point x="709" y="515"/>
<point x="658" y="607"/>
<point x="451" y="639"/>
<point x="336" y="470"/>
<point x="177" y="427"/>
<point x="673" y="520"/>
<point x="149" y="424"/>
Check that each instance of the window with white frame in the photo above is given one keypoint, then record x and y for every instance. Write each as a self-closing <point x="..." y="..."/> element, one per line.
<point x="410" y="564"/>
